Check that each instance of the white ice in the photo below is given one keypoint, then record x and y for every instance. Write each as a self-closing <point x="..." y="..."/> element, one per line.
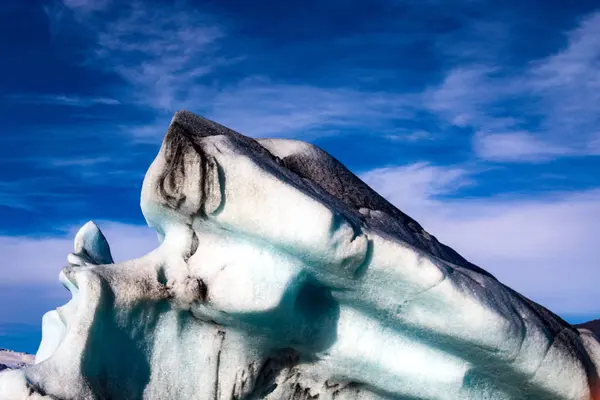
<point x="280" y="275"/>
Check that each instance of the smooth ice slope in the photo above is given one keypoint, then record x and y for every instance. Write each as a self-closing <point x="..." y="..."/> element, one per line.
<point x="281" y="275"/>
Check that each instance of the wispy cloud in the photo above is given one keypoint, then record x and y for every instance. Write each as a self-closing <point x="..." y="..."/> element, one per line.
<point x="259" y="106"/>
<point x="547" y="110"/>
<point x="544" y="247"/>
<point x="162" y="52"/>
<point x="406" y="135"/>
<point x="75" y="161"/>
<point x="171" y="57"/>
<point x="65" y="183"/>
<point x="467" y="95"/>
<point x="568" y="82"/>
<point x="33" y="194"/>
<point x="80" y="10"/>
<point x="95" y="171"/>
<point x="86" y="5"/>
<point x="417" y="184"/>
<point x="62" y="100"/>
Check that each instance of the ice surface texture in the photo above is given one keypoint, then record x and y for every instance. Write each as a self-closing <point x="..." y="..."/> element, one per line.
<point x="281" y="275"/>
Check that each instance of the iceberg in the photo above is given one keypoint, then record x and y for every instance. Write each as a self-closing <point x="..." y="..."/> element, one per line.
<point x="13" y="360"/>
<point x="279" y="274"/>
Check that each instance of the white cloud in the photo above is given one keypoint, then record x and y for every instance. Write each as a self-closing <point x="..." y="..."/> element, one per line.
<point x="549" y="108"/>
<point x="544" y="247"/>
<point x="416" y="184"/>
<point x="515" y="147"/>
<point x="29" y="260"/>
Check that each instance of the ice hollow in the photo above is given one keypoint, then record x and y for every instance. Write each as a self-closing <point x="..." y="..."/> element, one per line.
<point x="281" y="275"/>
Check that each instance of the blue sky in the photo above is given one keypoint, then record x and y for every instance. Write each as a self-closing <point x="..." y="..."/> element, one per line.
<point x="478" y="118"/>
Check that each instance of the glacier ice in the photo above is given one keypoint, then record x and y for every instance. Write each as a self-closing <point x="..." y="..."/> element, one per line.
<point x="280" y="275"/>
